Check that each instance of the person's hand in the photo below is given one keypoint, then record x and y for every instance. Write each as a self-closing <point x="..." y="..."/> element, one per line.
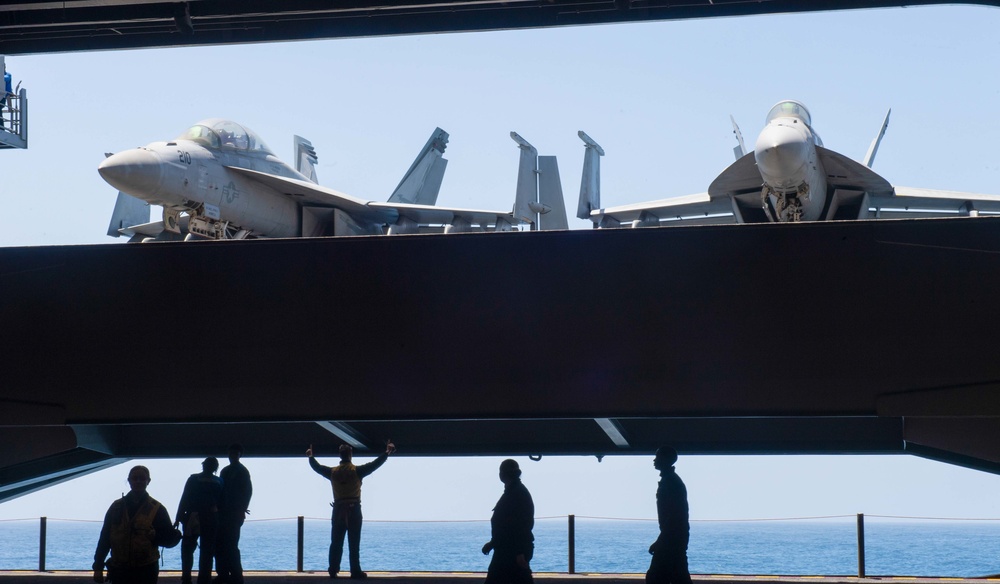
<point x="389" y="447"/>
<point x="521" y="562"/>
<point x="309" y="452"/>
<point x="176" y="523"/>
<point x="487" y="547"/>
<point x="98" y="572"/>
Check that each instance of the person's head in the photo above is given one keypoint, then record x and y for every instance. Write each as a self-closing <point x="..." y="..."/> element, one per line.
<point x="345" y="452"/>
<point x="665" y="458"/>
<point x="210" y="464"/>
<point x="509" y="470"/>
<point x="235" y="452"/>
<point x="138" y="479"/>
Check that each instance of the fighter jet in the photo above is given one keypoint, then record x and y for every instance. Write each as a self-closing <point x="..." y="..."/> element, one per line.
<point x="789" y="177"/>
<point x="219" y="180"/>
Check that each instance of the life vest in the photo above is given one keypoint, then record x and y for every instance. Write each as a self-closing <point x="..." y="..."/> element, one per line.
<point x="345" y="481"/>
<point x="132" y="537"/>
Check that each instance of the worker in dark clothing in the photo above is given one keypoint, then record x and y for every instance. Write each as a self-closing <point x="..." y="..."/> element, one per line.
<point x="512" y="543"/>
<point x="669" y="564"/>
<point x="198" y="511"/>
<point x="134" y="527"/>
<point x="6" y="91"/>
<point x="236" y="492"/>
<point x="347" y="519"/>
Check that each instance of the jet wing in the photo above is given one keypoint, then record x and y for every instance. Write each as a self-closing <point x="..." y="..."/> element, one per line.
<point x="684" y="207"/>
<point x="314" y="195"/>
<point x="916" y="199"/>
<point x="844" y="173"/>
<point x="739" y="178"/>
<point x="432" y="214"/>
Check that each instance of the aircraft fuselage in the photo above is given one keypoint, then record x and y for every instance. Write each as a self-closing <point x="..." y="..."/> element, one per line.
<point x="185" y="176"/>
<point x="794" y="179"/>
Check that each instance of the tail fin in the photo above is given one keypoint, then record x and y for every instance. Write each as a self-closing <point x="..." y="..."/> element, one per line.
<point x="552" y="211"/>
<point x="129" y="212"/>
<point x="539" y="198"/>
<point x="305" y="158"/>
<point x="590" y="183"/>
<point x="527" y="180"/>
<point x="741" y="150"/>
<point x="422" y="182"/>
<point x="873" y="149"/>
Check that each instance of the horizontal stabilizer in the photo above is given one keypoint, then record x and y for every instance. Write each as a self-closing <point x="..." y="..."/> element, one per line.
<point x="129" y="211"/>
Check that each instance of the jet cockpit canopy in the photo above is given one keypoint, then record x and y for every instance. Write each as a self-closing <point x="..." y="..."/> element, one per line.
<point x="219" y="133"/>
<point x="789" y="108"/>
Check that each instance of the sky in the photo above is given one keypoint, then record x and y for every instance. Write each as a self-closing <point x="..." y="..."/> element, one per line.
<point x="657" y="97"/>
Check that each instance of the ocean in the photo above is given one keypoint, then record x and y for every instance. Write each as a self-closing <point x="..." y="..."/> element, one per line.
<point x="893" y="547"/>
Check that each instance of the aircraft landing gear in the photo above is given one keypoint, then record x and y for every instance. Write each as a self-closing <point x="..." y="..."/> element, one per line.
<point x="787" y="206"/>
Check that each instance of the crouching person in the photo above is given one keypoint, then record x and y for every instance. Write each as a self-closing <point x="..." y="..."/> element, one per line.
<point x="134" y="527"/>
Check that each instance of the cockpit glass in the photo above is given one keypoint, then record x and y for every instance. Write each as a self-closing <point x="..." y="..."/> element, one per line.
<point x="201" y="134"/>
<point x="792" y="109"/>
<point x="225" y="134"/>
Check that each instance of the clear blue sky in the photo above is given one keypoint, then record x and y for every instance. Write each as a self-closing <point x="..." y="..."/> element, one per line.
<point x="656" y="96"/>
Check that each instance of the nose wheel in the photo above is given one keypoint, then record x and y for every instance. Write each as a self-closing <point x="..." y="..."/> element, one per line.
<point x="781" y="207"/>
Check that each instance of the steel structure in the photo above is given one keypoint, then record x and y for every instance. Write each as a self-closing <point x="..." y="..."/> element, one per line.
<point x="43" y="26"/>
<point x="574" y="342"/>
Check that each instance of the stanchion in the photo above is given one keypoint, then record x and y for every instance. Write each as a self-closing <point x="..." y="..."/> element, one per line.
<point x="302" y="533"/>
<point x="41" y="544"/>
<point x="572" y="544"/>
<point x="861" y="545"/>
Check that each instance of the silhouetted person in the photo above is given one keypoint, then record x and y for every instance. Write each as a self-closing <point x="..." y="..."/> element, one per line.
<point x="7" y="90"/>
<point x="346" y="481"/>
<point x="512" y="543"/>
<point x="669" y="564"/>
<point x="198" y="511"/>
<point x="236" y="492"/>
<point x="134" y="527"/>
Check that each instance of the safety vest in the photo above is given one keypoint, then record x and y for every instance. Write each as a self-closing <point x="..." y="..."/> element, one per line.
<point x="345" y="481"/>
<point x="132" y="537"/>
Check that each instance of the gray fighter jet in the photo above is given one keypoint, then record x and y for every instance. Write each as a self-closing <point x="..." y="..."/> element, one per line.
<point x="219" y="180"/>
<point x="788" y="177"/>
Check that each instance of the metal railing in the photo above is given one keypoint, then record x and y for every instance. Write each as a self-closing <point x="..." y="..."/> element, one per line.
<point x="14" y="121"/>
<point x="570" y="531"/>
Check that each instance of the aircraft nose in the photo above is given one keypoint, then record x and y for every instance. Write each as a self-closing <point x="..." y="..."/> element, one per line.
<point x="137" y="171"/>
<point x="781" y="153"/>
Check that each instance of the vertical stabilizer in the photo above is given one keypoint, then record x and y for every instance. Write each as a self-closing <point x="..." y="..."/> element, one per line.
<point x="873" y="149"/>
<point x="305" y="158"/>
<point x="590" y="183"/>
<point x="129" y="212"/>
<point x="552" y="206"/>
<point x="527" y="181"/>
<point x="741" y="150"/>
<point x="422" y="182"/>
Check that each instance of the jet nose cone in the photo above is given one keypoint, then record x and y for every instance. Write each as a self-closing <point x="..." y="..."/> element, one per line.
<point x="781" y="153"/>
<point x="137" y="171"/>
